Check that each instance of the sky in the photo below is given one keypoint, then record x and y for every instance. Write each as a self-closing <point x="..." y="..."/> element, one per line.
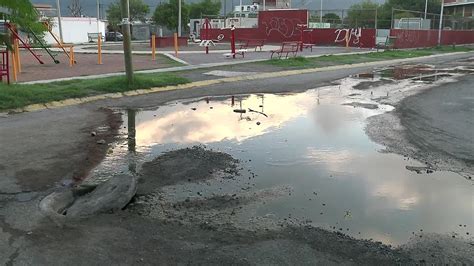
<point x="90" y="6"/>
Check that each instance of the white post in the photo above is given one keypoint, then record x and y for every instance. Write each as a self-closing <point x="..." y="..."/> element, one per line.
<point x="441" y="23"/>
<point x="426" y="8"/>
<point x="58" y="7"/>
<point x="98" y="15"/>
<point x="263" y="5"/>
<point x="321" y="14"/>
<point x="179" y="18"/>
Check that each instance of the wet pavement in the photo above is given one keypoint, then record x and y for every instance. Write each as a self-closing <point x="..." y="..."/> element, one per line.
<point x="312" y="151"/>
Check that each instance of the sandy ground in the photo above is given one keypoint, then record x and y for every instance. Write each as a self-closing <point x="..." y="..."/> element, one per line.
<point x="55" y="144"/>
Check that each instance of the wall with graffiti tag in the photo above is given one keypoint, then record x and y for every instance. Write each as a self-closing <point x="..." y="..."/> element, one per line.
<point x="429" y="38"/>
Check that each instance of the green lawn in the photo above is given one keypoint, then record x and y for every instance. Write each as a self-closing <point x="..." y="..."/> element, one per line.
<point x="341" y="59"/>
<point x="19" y="95"/>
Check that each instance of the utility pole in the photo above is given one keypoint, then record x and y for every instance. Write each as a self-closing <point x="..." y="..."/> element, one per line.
<point x="426" y="8"/>
<point x="58" y="8"/>
<point x="179" y="18"/>
<point x="441" y="23"/>
<point x="98" y="16"/>
<point x="127" y="44"/>
<point x="321" y="14"/>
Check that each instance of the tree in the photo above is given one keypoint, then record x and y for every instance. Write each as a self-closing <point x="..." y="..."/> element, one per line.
<point x="21" y="13"/>
<point x="205" y="7"/>
<point x="166" y="14"/>
<point x="331" y="18"/>
<point x="75" y="8"/>
<point x="362" y="15"/>
<point x="385" y="12"/>
<point x="138" y="12"/>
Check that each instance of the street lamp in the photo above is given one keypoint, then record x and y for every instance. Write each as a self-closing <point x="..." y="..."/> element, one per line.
<point x="58" y="9"/>
<point x="179" y="18"/>
<point x="321" y="14"/>
<point x="441" y="23"/>
<point x="426" y="8"/>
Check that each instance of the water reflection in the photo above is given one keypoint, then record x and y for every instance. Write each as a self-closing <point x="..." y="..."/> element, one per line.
<point x="131" y="140"/>
<point x="339" y="179"/>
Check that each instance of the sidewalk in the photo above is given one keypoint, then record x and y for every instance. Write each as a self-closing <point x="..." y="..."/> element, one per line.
<point x="167" y="62"/>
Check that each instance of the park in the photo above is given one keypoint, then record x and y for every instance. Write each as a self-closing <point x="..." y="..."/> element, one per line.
<point x="211" y="132"/>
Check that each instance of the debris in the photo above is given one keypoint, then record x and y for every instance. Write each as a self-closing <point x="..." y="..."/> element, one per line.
<point x="240" y="111"/>
<point x="101" y="142"/>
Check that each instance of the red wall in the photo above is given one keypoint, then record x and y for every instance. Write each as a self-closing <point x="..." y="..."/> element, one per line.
<point x="429" y="38"/>
<point x="328" y="37"/>
<point x="277" y="26"/>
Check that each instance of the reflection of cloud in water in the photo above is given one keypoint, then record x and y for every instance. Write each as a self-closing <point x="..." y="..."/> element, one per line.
<point x="179" y="123"/>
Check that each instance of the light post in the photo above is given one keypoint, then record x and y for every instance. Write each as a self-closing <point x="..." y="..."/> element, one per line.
<point x="441" y="23"/>
<point x="58" y="8"/>
<point x="321" y="14"/>
<point x="179" y="18"/>
<point x="426" y="8"/>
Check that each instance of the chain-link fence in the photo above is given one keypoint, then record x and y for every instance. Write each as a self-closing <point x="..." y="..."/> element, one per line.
<point x="410" y="19"/>
<point x="386" y="19"/>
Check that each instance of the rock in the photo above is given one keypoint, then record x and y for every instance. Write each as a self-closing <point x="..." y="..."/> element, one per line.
<point x="111" y="195"/>
<point x="101" y="142"/>
<point x="93" y="133"/>
<point x="258" y="123"/>
<point x="240" y="111"/>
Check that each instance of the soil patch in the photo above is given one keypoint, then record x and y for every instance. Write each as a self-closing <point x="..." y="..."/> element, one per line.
<point x="185" y="165"/>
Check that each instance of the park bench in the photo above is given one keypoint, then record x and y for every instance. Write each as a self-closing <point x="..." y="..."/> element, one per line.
<point x="389" y="43"/>
<point x="252" y="43"/>
<point x="307" y="46"/>
<point x="94" y="36"/>
<point x="286" y="49"/>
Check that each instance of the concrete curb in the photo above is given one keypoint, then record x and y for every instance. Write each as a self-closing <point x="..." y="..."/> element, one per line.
<point x="76" y="101"/>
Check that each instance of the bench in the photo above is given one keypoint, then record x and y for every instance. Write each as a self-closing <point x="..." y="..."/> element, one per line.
<point x="286" y="49"/>
<point x="252" y="43"/>
<point x="307" y="45"/>
<point x="94" y="36"/>
<point x="389" y="43"/>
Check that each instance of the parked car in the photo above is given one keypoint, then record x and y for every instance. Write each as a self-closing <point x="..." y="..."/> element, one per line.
<point x="112" y="36"/>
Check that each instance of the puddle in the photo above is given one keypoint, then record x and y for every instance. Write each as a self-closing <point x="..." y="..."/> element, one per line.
<point x="315" y="146"/>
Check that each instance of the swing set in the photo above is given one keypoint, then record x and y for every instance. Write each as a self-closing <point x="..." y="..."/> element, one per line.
<point x="15" y="52"/>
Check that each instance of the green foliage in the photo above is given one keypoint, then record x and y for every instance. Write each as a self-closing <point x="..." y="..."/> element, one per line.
<point x="362" y="15"/>
<point x="166" y="14"/>
<point x="205" y="7"/>
<point x="22" y="14"/>
<point x="138" y="12"/>
<point x="331" y="18"/>
<point x="332" y="60"/>
<point x="19" y="95"/>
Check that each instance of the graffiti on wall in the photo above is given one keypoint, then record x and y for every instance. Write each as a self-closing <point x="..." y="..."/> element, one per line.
<point x="348" y="36"/>
<point x="284" y="26"/>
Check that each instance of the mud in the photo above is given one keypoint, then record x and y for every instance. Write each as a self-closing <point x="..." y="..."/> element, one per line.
<point x="185" y="165"/>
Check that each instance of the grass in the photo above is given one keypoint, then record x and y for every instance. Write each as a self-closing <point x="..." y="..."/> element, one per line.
<point x="341" y="59"/>
<point x="20" y="95"/>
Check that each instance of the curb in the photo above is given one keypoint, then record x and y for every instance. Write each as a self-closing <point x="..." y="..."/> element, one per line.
<point x="76" y="101"/>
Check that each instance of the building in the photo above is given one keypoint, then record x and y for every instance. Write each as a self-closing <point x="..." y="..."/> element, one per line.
<point x="462" y="8"/>
<point x="459" y="14"/>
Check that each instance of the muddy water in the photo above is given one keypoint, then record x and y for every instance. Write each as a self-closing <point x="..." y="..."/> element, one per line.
<point x="314" y="145"/>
